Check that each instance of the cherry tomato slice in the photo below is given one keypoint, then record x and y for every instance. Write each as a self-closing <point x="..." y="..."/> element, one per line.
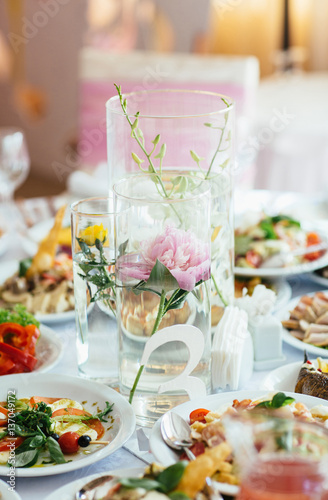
<point x="198" y="415"/>
<point x="40" y="399"/>
<point x="68" y="442"/>
<point x="7" y="442"/>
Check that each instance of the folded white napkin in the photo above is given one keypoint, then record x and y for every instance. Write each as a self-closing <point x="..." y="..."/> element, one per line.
<point x="83" y="184"/>
<point x="232" y="351"/>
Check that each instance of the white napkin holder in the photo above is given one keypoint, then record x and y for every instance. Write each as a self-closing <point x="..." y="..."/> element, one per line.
<point x="232" y="351"/>
<point x="266" y="330"/>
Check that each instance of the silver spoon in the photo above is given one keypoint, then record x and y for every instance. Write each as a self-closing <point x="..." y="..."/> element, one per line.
<point x="176" y="434"/>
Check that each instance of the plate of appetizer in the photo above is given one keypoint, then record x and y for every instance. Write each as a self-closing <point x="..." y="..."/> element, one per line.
<point x="278" y="245"/>
<point x="44" y="283"/>
<point x="204" y="417"/>
<point x="25" y="344"/>
<point x="309" y="376"/>
<point x="305" y="322"/>
<point x="101" y="484"/>
<point x="153" y="482"/>
<point x="281" y="288"/>
<point x="49" y="295"/>
<point x="62" y="423"/>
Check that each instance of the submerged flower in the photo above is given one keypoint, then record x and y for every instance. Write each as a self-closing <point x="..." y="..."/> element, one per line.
<point x="181" y="252"/>
<point x="92" y="233"/>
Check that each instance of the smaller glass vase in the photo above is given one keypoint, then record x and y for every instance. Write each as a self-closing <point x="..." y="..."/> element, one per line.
<point x="92" y="224"/>
<point x="163" y="291"/>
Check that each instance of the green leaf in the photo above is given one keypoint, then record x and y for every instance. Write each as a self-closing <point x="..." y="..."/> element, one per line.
<point x="289" y="220"/>
<point x="3" y="434"/>
<point x="24" y="432"/>
<point x="208" y="124"/>
<point x="178" y="495"/>
<point x="24" y="265"/>
<point x="134" y="124"/>
<point x="136" y="158"/>
<point x="84" y="247"/>
<point x="280" y="399"/>
<point x="122" y="248"/>
<point x="171" y="476"/>
<point x="157" y="139"/>
<point x="225" y="163"/>
<point x="195" y="156"/>
<point x="55" y="451"/>
<point x="36" y="441"/>
<point x="26" y="458"/>
<point x="142" y="482"/>
<point x="104" y="413"/>
<point x="162" y="151"/>
<point x="161" y="279"/>
<point x="267" y="226"/>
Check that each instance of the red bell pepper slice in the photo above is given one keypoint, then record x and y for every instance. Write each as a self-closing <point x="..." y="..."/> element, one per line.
<point x="25" y="358"/>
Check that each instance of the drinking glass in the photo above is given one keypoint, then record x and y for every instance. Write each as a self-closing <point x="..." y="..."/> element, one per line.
<point x="92" y="225"/>
<point x="14" y="161"/>
<point x="279" y="458"/>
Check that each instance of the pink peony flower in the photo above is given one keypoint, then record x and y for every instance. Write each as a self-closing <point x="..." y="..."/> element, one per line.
<point x="186" y="257"/>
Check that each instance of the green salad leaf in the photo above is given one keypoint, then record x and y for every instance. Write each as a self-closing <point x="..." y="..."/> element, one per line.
<point x="18" y="315"/>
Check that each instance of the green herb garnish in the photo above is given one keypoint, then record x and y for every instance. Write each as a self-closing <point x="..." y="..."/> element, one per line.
<point x="18" y="315"/>
<point x="278" y="401"/>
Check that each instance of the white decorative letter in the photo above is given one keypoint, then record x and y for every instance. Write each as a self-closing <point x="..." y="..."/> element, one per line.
<point x="193" y="338"/>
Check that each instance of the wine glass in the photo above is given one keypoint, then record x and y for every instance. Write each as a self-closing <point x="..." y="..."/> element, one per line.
<point x="14" y="162"/>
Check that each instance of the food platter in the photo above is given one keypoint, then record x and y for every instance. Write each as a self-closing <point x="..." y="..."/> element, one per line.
<point x="77" y="389"/>
<point x="166" y="456"/>
<point x="9" y="268"/>
<point x="283" y="314"/>
<point x="69" y="491"/>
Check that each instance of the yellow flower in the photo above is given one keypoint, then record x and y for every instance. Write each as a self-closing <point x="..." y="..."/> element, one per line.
<point x="91" y="233"/>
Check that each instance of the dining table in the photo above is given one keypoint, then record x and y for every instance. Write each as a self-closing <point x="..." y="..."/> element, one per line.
<point x="135" y="453"/>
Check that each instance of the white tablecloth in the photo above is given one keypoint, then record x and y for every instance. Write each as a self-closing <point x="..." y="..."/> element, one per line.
<point x="39" y="488"/>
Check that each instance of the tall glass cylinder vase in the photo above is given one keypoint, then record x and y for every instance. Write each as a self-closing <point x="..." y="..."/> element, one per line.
<point x="190" y="131"/>
<point x="163" y="291"/>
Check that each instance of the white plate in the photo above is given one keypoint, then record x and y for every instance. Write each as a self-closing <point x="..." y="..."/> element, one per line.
<point x="48" y="349"/>
<point x="267" y="272"/>
<point x="10" y="267"/>
<point x="6" y="494"/>
<point x="283" y="378"/>
<point x="68" y="491"/>
<point x="165" y="455"/>
<point x="78" y="389"/>
<point x="283" y="314"/>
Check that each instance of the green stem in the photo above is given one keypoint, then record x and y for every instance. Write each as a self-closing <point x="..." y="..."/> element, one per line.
<point x="215" y="154"/>
<point x="160" y="314"/>
<point x="224" y="302"/>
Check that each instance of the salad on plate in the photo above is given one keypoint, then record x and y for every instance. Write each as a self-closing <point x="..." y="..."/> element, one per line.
<point x="274" y="241"/>
<point x="45" y="431"/>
